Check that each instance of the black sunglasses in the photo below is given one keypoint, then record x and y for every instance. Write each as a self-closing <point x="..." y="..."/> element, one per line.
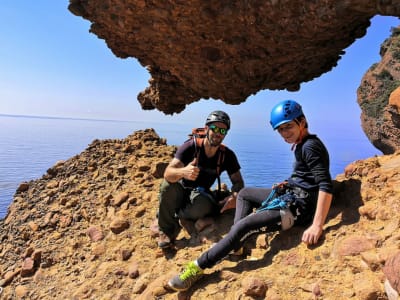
<point x="217" y="129"/>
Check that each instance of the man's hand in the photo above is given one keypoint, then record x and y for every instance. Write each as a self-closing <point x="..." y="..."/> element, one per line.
<point x="191" y="171"/>
<point x="228" y="202"/>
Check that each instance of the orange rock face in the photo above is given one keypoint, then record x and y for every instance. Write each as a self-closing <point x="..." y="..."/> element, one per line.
<point x="379" y="98"/>
<point x="394" y="98"/>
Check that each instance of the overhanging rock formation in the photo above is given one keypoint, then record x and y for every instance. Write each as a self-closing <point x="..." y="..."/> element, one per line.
<point x="227" y="49"/>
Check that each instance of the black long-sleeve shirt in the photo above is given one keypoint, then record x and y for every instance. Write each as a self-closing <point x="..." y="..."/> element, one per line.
<point x="311" y="167"/>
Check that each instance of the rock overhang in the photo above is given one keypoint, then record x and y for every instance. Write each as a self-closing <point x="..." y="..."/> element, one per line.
<point x="228" y="50"/>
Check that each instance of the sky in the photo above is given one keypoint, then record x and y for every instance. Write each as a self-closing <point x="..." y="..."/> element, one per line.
<point x="51" y="65"/>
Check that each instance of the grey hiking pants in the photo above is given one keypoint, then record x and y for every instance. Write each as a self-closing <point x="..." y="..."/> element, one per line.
<point x="177" y="202"/>
<point x="246" y="223"/>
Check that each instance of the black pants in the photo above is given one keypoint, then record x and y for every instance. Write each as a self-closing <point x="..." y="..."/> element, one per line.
<point x="177" y="202"/>
<point x="248" y="222"/>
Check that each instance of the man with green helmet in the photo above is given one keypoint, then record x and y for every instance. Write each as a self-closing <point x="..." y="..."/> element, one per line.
<point x="303" y="199"/>
<point x="185" y="194"/>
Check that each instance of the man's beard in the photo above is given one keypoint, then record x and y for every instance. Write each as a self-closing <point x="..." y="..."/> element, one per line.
<point x="214" y="142"/>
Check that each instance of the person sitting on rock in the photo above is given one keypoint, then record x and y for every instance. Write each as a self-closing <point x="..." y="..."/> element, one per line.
<point x="185" y="196"/>
<point x="303" y="199"/>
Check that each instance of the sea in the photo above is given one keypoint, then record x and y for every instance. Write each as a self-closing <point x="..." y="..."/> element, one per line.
<point x="31" y="145"/>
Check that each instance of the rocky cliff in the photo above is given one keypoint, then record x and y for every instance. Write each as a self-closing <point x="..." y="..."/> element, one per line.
<point x="84" y="231"/>
<point x="379" y="97"/>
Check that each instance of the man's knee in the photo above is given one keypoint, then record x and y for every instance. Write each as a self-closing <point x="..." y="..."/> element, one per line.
<point x="198" y="209"/>
<point x="171" y="199"/>
<point x="170" y="192"/>
<point x="167" y="187"/>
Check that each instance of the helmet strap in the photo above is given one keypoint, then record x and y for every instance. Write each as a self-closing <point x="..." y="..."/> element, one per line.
<point x="208" y="135"/>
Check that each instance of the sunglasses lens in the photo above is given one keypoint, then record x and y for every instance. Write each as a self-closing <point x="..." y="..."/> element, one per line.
<point x="216" y="129"/>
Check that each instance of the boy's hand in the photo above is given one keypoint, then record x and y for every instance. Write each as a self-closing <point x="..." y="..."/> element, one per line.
<point x="312" y="234"/>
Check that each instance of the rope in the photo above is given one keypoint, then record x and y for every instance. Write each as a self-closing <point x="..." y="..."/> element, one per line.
<point x="280" y="201"/>
<point x="266" y="202"/>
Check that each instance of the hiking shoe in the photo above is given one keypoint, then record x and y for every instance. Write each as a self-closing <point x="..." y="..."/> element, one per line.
<point x="163" y="240"/>
<point x="185" y="280"/>
<point x="155" y="230"/>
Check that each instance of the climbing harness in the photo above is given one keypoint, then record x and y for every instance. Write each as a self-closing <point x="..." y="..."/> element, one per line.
<point x="273" y="200"/>
<point x="206" y="193"/>
<point x="282" y="196"/>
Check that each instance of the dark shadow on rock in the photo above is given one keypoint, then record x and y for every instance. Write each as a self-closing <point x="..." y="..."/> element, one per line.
<point x="282" y="240"/>
<point x="346" y="201"/>
<point x="213" y="233"/>
<point x="169" y="253"/>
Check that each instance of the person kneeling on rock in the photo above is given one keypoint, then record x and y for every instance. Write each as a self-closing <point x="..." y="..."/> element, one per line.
<point x="185" y="196"/>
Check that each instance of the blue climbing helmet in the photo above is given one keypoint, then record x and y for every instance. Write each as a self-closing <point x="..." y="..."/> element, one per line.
<point x="285" y="111"/>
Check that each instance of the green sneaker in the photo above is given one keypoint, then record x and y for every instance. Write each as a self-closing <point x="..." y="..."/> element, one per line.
<point x="185" y="280"/>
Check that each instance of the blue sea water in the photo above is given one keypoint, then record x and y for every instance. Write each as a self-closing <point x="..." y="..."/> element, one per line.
<point x="31" y="145"/>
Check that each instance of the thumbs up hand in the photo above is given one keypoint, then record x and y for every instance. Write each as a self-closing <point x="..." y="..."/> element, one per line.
<point x="191" y="171"/>
<point x="194" y="162"/>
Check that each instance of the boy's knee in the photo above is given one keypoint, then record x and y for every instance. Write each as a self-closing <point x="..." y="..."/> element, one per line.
<point x="287" y="219"/>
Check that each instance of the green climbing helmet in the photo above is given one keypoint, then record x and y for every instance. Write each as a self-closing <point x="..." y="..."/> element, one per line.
<point x="285" y="111"/>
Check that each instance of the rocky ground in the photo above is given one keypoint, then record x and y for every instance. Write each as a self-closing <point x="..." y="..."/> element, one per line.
<point x="83" y="231"/>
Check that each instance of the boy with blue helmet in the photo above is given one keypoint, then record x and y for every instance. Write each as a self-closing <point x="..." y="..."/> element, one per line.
<point x="302" y="199"/>
<point x="284" y="112"/>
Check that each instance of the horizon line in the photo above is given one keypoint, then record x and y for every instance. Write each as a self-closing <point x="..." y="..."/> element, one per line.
<point x="63" y="118"/>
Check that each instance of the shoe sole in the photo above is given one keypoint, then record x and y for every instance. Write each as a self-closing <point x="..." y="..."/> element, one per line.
<point x="176" y="289"/>
<point x="165" y="246"/>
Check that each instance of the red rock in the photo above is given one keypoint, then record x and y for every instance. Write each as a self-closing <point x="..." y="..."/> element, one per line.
<point x="118" y="225"/>
<point x="95" y="233"/>
<point x="392" y="271"/>
<point x="353" y="245"/>
<point x="27" y="268"/>
<point x="254" y="287"/>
